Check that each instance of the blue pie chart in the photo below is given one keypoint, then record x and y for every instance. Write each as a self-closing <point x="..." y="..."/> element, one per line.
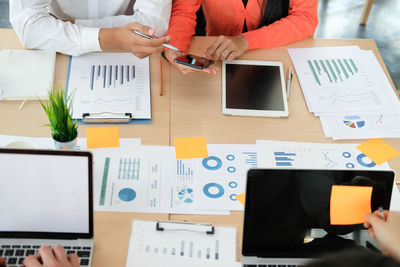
<point x="360" y="159"/>
<point x="213" y="190"/>
<point x="212" y="163"/>
<point x="127" y="194"/>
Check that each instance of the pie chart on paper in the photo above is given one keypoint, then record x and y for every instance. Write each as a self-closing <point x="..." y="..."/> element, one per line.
<point x="354" y="121"/>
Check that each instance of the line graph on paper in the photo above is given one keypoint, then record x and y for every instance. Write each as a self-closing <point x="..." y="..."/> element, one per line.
<point x="108" y="104"/>
<point x="337" y="100"/>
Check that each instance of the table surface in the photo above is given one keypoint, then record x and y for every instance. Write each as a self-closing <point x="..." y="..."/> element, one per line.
<point x="190" y="106"/>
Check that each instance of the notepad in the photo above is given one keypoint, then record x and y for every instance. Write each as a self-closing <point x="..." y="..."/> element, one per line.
<point x="26" y="74"/>
<point x="349" y="204"/>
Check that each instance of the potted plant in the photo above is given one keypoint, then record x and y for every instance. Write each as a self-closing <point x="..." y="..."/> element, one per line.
<point x="64" y="130"/>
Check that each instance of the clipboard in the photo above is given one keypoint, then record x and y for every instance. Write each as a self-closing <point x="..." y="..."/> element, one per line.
<point x="107" y="117"/>
<point x="206" y="228"/>
<point x="171" y="241"/>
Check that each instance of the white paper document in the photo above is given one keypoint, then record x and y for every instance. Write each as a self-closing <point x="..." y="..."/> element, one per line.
<point x="361" y="126"/>
<point x="349" y="90"/>
<point x="151" y="247"/>
<point x="279" y="154"/>
<point x="149" y="179"/>
<point x="110" y="85"/>
<point x="26" y="74"/>
<point x="222" y="176"/>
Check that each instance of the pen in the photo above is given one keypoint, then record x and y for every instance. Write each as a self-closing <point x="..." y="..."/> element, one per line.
<point x="289" y="82"/>
<point x="151" y="38"/>
<point x="161" y="78"/>
<point x="381" y="211"/>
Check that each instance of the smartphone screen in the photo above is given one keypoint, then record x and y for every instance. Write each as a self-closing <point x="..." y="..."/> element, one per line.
<point x="194" y="61"/>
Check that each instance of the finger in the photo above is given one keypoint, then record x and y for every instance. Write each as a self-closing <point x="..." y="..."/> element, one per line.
<point x="210" y="51"/>
<point x="59" y="252"/>
<point x="141" y="41"/>
<point x="232" y="56"/>
<point x="225" y="45"/>
<point x="2" y="261"/>
<point x="47" y="256"/>
<point x="374" y="220"/>
<point x="142" y="28"/>
<point x="31" y="261"/>
<point x="371" y="233"/>
<point x="73" y="259"/>
<point x="225" y="54"/>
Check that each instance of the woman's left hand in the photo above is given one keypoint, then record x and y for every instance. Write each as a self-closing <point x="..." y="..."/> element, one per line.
<point x="227" y="48"/>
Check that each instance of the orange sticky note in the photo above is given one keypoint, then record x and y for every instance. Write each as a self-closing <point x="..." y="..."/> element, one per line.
<point x="191" y="147"/>
<point x="378" y="150"/>
<point x="241" y="197"/>
<point x="349" y="204"/>
<point x="102" y="137"/>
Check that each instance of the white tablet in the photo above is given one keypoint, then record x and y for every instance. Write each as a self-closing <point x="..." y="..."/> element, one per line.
<point x="254" y="88"/>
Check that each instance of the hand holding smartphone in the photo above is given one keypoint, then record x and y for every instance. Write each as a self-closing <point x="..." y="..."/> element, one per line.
<point x="194" y="61"/>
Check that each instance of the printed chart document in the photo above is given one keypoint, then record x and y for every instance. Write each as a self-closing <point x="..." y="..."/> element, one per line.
<point x="150" y="247"/>
<point x="110" y="85"/>
<point x="144" y="180"/>
<point x="280" y="154"/>
<point x="349" y="90"/>
<point x="26" y="74"/>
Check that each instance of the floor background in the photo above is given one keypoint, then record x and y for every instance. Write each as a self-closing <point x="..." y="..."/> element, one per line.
<point x="340" y="19"/>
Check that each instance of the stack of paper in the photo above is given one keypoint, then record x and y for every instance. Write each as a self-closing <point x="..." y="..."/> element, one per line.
<point x="346" y="87"/>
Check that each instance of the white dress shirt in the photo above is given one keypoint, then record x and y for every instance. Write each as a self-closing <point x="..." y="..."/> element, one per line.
<point x="37" y="29"/>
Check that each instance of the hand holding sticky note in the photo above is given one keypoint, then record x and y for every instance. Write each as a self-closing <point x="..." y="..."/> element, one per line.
<point x="191" y="147"/>
<point x="102" y="137"/>
<point x="349" y="204"/>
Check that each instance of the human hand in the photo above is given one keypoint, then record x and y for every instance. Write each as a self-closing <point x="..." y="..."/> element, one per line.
<point x="385" y="232"/>
<point x="171" y="55"/>
<point x="54" y="257"/>
<point x="2" y="261"/>
<point x="227" y="48"/>
<point x="124" y="38"/>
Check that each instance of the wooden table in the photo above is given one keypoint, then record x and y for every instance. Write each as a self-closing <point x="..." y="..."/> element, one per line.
<point x="190" y="106"/>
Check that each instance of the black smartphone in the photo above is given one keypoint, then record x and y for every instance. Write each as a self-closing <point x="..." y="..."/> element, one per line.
<point x="194" y="61"/>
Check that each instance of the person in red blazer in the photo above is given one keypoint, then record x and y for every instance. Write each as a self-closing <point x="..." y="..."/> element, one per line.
<point x="241" y="25"/>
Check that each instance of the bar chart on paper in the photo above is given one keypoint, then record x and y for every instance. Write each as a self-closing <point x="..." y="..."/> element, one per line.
<point x="110" y="83"/>
<point x="331" y="71"/>
<point x="112" y="76"/>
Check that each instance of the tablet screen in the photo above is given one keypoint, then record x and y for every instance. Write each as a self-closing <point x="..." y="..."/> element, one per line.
<point x="254" y="87"/>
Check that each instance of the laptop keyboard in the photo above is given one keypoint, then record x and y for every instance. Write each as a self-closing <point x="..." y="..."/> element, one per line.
<point x="15" y="254"/>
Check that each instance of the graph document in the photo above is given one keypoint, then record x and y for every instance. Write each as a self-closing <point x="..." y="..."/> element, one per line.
<point x="110" y="85"/>
<point x="340" y="79"/>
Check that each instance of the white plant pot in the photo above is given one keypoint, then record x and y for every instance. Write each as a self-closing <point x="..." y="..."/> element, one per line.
<point x="65" y="145"/>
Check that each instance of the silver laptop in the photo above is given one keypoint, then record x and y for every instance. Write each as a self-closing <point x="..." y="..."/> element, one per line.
<point x="287" y="216"/>
<point x="45" y="199"/>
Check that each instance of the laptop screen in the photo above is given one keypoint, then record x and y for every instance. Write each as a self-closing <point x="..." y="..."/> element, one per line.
<point x="287" y="212"/>
<point x="45" y="194"/>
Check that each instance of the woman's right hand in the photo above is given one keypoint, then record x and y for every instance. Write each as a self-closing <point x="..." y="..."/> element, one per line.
<point x="171" y="55"/>
<point x="385" y="231"/>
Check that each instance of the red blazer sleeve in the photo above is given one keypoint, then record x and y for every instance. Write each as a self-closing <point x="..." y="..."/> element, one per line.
<point x="182" y="24"/>
<point x="299" y="24"/>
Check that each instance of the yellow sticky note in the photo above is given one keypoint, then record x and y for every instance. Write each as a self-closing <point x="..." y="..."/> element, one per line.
<point x="191" y="147"/>
<point x="241" y="197"/>
<point x="378" y="150"/>
<point x="349" y="204"/>
<point x="102" y="137"/>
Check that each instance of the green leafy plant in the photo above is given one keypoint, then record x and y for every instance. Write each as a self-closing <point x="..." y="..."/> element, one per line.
<point x="59" y="111"/>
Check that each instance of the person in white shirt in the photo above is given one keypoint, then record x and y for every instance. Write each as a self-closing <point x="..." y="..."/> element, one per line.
<point x="75" y="27"/>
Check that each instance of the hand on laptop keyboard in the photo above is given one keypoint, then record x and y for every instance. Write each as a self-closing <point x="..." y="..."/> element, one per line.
<point x="2" y="261"/>
<point x="55" y="256"/>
